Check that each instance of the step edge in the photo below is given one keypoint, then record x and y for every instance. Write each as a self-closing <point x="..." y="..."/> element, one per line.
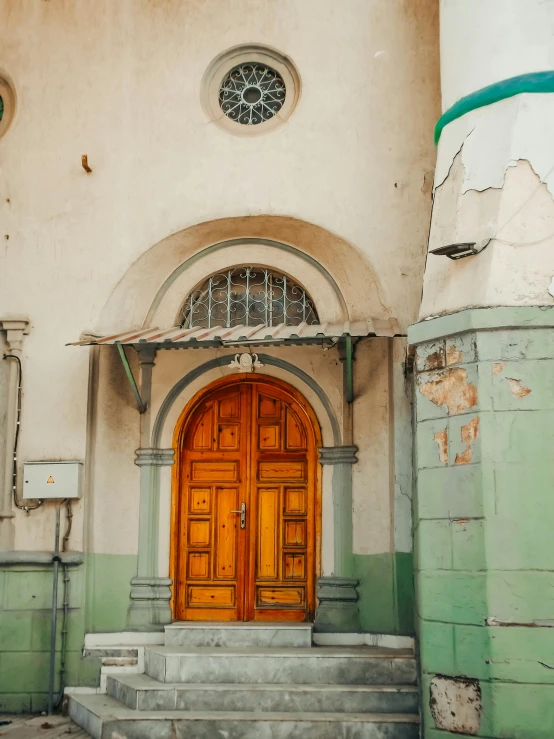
<point x="153" y="684"/>
<point x="123" y="713"/>
<point x="299" y="652"/>
<point x="238" y="627"/>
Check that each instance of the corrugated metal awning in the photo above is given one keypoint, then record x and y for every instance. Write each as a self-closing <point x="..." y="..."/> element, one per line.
<point x="178" y="337"/>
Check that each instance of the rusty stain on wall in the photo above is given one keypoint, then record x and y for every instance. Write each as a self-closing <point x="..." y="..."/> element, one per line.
<point x="456" y="704"/>
<point x="431" y="361"/>
<point x="517" y="388"/>
<point x="453" y="355"/>
<point x="441" y="437"/>
<point x="451" y="389"/>
<point x="498" y="367"/>
<point x="469" y="433"/>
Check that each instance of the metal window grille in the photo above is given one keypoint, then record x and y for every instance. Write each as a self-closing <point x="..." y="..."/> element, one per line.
<point x="248" y="296"/>
<point x="252" y="93"/>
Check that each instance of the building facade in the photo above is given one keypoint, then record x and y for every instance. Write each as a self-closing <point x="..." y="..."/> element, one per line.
<point x="218" y="302"/>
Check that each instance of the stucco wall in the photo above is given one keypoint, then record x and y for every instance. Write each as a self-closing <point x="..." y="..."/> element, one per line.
<point x="345" y="181"/>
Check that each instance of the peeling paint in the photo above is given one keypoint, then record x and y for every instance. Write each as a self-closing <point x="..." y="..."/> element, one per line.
<point x="455" y="704"/>
<point x="517" y="388"/>
<point x="469" y="432"/>
<point x="498" y="367"/>
<point x="550" y="288"/>
<point x="451" y="389"/>
<point x="441" y="437"/>
<point x="430" y="356"/>
<point x="509" y="131"/>
<point x="453" y="355"/>
<point x="537" y="624"/>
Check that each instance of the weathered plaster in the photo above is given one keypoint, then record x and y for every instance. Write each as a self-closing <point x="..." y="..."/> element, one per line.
<point x="483" y="560"/>
<point x="516" y="267"/>
<point x="508" y="131"/>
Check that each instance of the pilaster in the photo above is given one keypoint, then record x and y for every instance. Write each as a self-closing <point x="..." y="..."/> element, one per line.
<point x="15" y="329"/>
<point x="337" y="609"/>
<point x="150" y="594"/>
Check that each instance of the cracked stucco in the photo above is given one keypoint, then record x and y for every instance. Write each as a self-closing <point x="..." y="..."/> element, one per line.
<point x="518" y="128"/>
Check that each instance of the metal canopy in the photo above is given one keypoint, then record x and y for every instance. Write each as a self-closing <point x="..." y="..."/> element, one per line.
<point x="181" y="338"/>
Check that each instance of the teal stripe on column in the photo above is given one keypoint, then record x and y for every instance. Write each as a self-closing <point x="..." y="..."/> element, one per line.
<point x="533" y="82"/>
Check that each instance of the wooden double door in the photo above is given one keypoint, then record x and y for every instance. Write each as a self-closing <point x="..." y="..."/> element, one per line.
<point x="246" y="519"/>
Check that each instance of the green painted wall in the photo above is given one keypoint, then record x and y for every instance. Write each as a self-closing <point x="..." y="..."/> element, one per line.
<point x="98" y="599"/>
<point x="386" y="592"/>
<point x="484" y="510"/>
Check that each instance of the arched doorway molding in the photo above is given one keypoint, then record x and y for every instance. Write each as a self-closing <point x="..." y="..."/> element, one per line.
<point x="150" y="590"/>
<point x="150" y="289"/>
<point x="322" y="287"/>
<point x="180" y="394"/>
<point x="170" y="410"/>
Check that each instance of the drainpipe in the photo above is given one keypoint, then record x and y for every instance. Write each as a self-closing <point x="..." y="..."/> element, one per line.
<point x="15" y="328"/>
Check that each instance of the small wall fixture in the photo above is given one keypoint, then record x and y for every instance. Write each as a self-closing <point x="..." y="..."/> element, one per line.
<point x="461" y="250"/>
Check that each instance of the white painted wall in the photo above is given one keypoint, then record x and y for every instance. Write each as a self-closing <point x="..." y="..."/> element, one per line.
<point x="346" y="180"/>
<point x="486" y="41"/>
<point x="495" y="168"/>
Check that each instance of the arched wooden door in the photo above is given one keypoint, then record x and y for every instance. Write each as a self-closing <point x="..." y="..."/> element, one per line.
<point x="246" y="507"/>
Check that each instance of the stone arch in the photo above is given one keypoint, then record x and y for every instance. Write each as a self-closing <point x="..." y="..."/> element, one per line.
<point x="149" y="291"/>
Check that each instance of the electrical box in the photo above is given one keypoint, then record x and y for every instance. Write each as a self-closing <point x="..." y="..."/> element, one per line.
<point x="52" y="480"/>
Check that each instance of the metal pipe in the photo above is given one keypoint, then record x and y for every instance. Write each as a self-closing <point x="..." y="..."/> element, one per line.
<point x="64" y="631"/>
<point x="56" y="562"/>
<point x="27" y="508"/>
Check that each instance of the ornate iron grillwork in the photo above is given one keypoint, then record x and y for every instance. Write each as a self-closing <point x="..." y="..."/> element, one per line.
<point x="252" y="93"/>
<point x="249" y="296"/>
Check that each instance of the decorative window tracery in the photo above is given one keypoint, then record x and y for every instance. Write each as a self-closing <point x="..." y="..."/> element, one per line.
<point x="249" y="296"/>
<point x="252" y="93"/>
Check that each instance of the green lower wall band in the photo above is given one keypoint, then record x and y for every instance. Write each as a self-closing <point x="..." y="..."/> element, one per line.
<point x="386" y="592"/>
<point x="533" y="82"/>
<point x="98" y="602"/>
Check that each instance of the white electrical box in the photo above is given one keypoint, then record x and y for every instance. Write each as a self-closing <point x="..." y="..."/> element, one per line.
<point x="52" y="480"/>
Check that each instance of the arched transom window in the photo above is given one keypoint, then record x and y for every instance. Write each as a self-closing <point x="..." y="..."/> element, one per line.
<point x="248" y="296"/>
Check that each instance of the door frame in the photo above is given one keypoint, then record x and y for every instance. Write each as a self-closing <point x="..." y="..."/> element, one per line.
<point x="181" y="427"/>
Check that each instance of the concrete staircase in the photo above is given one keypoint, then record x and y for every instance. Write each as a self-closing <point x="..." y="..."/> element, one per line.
<point x="256" y="681"/>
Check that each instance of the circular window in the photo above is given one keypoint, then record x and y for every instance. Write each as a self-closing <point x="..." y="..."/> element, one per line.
<point x="250" y="89"/>
<point x="7" y="104"/>
<point x="252" y="93"/>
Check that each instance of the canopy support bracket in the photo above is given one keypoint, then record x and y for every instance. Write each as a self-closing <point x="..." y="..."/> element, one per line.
<point x="129" y="372"/>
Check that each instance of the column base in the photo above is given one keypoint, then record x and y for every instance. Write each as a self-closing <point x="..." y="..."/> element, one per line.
<point x="337" y="611"/>
<point x="149" y="609"/>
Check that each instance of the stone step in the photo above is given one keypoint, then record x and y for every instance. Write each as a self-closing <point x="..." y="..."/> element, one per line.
<point x="317" y="665"/>
<point x="143" y="693"/>
<point x="206" y="634"/>
<point x="105" y="718"/>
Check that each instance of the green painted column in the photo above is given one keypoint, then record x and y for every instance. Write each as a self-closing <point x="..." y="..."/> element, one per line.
<point x="483" y="513"/>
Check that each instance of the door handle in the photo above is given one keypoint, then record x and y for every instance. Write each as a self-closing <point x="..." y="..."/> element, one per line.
<point x="242" y="512"/>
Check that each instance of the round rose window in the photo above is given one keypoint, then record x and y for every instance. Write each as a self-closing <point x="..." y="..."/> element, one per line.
<point x="252" y="93"/>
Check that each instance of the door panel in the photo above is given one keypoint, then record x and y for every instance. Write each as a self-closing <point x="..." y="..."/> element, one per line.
<point x="282" y="497"/>
<point x="249" y="442"/>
